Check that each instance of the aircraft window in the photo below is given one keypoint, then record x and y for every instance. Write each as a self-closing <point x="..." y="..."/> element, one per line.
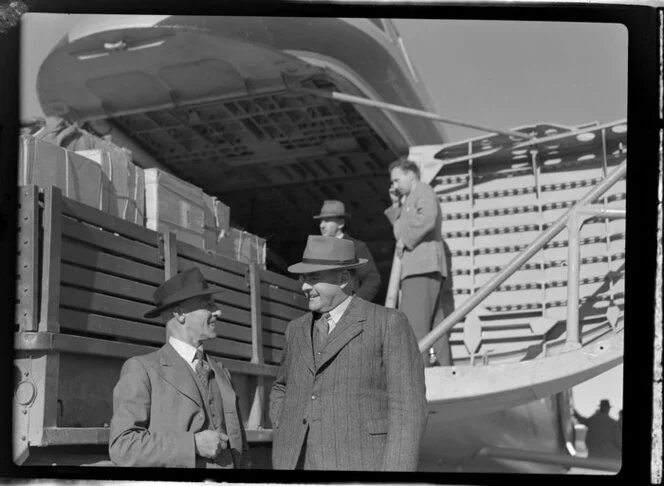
<point x="378" y="23"/>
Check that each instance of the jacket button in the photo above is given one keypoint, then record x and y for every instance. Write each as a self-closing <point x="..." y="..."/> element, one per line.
<point x="304" y="421"/>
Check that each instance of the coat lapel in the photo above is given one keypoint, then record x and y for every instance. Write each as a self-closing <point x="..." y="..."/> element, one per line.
<point x="349" y="326"/>
<point x="228" y="398"/>
<point x="173" y="369"/>
<point x="222" y="377"/>
<point x="303" y="342"/>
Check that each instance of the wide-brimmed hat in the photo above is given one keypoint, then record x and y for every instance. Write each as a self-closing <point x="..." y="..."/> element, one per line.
<point x="327" y="253"/>
<point x="179" y="288"/>
<point x="332" y="209"/>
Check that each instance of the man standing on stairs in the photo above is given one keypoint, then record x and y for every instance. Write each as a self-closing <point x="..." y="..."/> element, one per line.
<point x="332" y="223"/>
<point x="175" y="407"/>
<point x="416" y="217"/>
<point x="350" y="393"/>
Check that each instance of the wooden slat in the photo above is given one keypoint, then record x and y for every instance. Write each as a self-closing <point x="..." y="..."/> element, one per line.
<point x="108" y="284"/>
<point x="80" y="321"/>
<point x="243" y="316"/>
<point x="111" y="243"/>
<point x="86" y="300"/>
<point x="27" y="290"/>
<point x="50" y="288"/>
<point x="216" y="261"/>
<point x="281" y="281"/>
<point x="293" y="299"/>
<point x="109" y="222"/>
<point x="256" y="317"/>
<point x="236" y="292"/>
<point x="90" y="346"/>
<point x="86" y="345"/>
<point x="170" y="255"/>
<point x="101" y="435"/>
<point x="220" y="278"/>
<point x="84" y="256"/>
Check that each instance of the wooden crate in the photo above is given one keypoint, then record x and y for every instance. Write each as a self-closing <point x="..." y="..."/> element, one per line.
<point x="242" y="247"/>
<point x="45" y="164"/>
<point x="127" y="198"/>
<point x="172" y="204"/>
<point x="85" y="306"/>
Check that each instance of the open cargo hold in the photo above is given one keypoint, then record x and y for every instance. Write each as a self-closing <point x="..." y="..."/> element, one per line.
<point x="172" y="204"/>
<point x="89" y="277"/>
<point x="79" y="178"/>
<point x="127" y="198"/>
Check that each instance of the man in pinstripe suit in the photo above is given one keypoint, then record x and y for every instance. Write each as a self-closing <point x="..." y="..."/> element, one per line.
<point x="350" y="393"/>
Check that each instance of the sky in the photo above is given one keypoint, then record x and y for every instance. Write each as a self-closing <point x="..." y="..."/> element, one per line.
<point x="496" y="74"/>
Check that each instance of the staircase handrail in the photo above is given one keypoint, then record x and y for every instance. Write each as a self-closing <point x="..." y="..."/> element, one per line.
<point x="446" y="324"/>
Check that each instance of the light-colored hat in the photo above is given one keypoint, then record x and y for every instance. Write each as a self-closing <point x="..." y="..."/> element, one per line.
<point x="332" y="209"/>
<point x="327" y="253"/>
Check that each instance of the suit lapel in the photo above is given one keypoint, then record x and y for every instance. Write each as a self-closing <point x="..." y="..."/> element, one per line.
<point x="349" y="326"/>
<point x="223" y="380"/>
<point x="303" y="341"/>
<point x="228" y="398"/>
<point x="173" y="369"/>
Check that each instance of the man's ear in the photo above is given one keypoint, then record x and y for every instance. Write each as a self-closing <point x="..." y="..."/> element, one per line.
<point x="178" y="314"/>
<point x="344" y="279"/>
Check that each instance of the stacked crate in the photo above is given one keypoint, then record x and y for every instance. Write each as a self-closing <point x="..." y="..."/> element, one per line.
<point x="197" y="218"/>
<point x="107" y="179"/>
<point x="45" y="164"/>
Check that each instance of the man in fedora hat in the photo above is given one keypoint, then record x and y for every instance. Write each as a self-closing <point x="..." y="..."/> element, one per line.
<point x="604" y="436"/>
<point x="349" y="394"/>
<point x="175" y="407"/>
<point x="416" y="218"/>
<point x="332" y="218"/>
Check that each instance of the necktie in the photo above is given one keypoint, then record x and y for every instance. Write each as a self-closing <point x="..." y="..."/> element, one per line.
<point x="202" y="367"/>
<point x="322" y="328"/>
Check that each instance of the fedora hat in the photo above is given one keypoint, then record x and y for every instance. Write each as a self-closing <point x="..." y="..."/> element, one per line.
<point x="327" y="253"/>
<point x="332" y="209"/>
<point x="604" y="403"/>
<point x="181" y="287"/>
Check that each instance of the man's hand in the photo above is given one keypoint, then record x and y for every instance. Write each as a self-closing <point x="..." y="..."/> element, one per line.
<point x="399" y="248"/>
<point x="210" y="443"/>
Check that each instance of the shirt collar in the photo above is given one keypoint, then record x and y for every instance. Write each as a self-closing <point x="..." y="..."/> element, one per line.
<point x="340" y="235"/>
<point x="338" y="311"/>
<point x="187" y="351"/>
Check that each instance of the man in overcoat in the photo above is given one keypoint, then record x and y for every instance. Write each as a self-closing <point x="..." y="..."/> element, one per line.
<point x="416" y="218"/>
<point x="604" y="435"/>
<point x="176" y="407"/>
<point x="350" y="393"/>
<point x="332" y="218"/>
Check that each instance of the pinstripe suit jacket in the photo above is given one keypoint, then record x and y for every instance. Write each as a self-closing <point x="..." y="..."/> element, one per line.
<point x="365" y="393"/>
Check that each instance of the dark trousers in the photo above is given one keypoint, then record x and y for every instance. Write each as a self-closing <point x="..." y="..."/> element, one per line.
<point x="421" y="301"/>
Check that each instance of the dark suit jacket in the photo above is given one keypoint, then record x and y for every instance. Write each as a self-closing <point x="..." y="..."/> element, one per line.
<point x="368" y="278"/>
<point x="418" y="223"/>
<point x="157" y="409"/>
<point x="366" y="396"/>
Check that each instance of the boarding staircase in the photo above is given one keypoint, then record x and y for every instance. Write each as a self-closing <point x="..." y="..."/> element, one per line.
<point x="536" y="234"/>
